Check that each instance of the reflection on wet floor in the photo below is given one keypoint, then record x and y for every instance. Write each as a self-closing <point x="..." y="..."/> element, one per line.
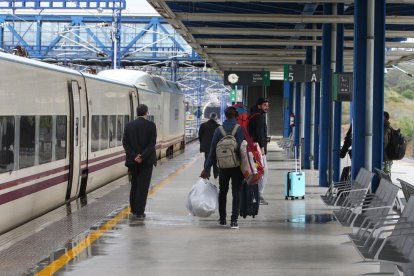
<point x="312" y="219"/>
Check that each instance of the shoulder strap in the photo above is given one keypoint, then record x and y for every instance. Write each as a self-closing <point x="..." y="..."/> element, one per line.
<point x="254" y="115"/>
<point x="221" y="128"/>
<point x="235" y="128"/>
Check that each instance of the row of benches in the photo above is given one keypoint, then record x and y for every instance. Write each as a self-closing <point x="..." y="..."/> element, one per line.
<point x="381" y="233"/>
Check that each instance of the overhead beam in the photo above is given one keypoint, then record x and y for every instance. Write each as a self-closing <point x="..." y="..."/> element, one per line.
<point x="253" y="51"/>
<point x="282" y="32"/>
<point x="282" y="18"/>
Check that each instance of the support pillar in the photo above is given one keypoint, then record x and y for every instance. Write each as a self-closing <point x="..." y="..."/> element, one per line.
<point x="359" y="96"/>
<point x="298" y="122"/>
<point x="378" y="99"/>
<point x="317" y="114"/>
<point x="337" y="130"/>
<point x="325" y="100"/>
<point x="307" y="117"/>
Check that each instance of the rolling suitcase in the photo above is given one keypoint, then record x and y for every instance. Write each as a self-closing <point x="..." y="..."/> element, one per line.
<point x="295" y="181"/>
<point x="249" y="200"/>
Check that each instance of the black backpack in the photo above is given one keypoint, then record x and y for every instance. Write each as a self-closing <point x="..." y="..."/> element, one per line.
<point x="396" y="145"/>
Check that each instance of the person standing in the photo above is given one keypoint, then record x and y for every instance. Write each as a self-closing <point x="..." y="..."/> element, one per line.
<point x="230" y="126"/>
<point x="387" y="137"/>
<point x="258" y="131"/>
<point x="205" y="136"/>
<point x="139" y="141"/>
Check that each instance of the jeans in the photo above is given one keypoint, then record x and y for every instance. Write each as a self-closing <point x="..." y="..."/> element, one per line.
<point x="236" y="177"/>
<point x="263" y="181"/>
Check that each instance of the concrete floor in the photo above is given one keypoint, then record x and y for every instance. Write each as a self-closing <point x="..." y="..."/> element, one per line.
<point x="299" y="237"/>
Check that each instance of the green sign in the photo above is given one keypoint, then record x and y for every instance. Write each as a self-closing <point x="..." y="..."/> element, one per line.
<point x="266" y="78"/>
<point x="233" y="95"/>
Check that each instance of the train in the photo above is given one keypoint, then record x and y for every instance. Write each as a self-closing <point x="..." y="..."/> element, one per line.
<point x="61" y="131"/>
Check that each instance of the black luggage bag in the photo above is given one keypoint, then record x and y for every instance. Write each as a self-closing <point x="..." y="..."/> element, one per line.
<point x="249" y="200"/>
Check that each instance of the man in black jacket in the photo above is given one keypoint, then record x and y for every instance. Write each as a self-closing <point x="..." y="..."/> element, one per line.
<point x="205" y="135"/>
<point x="258" y="131"/>
<point x="139" y="141"/>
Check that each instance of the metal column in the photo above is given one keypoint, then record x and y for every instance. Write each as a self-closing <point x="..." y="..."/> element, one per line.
<point x="317" y="115"/>
<point x="338" y="105"/>
<point x="325" y="100"/>
<point x="297" y="113"/>
<point x="360" y="54"/>
<point x="307" y="117"/>
<point x="286" y="108"/>
<point x="378" y="101"/>
<point x="291" y="107"/>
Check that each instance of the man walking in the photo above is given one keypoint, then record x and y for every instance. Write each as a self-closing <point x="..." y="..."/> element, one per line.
<point x="258" y="131"/>
<point x="139" y="141"/>
<point x="234" y="173"/>
<point x="205" y="136"/>
<point x="387" y="137"/>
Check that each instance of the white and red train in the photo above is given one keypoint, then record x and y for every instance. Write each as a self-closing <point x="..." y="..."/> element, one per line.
<point x="61" y="131"/>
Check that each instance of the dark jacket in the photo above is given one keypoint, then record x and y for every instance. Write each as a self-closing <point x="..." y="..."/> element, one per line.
<point x="258" y="127"/>
<point x="228" y="126"/>
<point x="205" y="134"/>
<point x="387" y="138"/>
<point x="140" y="137"/>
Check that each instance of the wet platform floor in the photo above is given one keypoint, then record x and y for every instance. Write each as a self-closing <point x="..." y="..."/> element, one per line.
<point x="299" y="237"/>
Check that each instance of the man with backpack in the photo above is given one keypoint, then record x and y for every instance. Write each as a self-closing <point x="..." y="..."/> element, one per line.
<point x="387" y="137"/>
<point x="258" y="131"/>
<point x="205" y="136"/>
<point x="225" y="150"/>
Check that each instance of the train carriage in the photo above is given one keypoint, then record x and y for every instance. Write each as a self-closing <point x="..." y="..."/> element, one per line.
<point x="61" y="133"/>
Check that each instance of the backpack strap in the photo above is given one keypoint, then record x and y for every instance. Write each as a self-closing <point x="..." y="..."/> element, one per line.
<point x="221" y="128"/>
<point x="235" y="128"/>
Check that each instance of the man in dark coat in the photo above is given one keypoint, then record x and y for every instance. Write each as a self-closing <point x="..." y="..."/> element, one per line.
<point x="139" y="141"/>
<point x="258" y="131"/>
<point x="387" y="164"/>
<point x="205" y="135"/>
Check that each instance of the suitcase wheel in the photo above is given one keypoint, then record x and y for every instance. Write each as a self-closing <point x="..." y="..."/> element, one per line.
<point x="303" y="197"/>
<point x="293" y="198"/>
<point x="286" y="198"/>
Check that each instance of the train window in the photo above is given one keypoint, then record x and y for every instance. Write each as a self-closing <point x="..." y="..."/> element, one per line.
<point x="60" y="146"/>
<point x="104" y="132"/>
<point x="6" y="143"/>
<point x="120" y="130"/>
<point x="45" y="139"/>
<point x="27" y="141"/>
<point x="112" y="131"/>
<point x="95" y="133"/>
<point x="176" y="114"/>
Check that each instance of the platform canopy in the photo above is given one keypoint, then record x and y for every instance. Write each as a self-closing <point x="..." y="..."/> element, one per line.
<point x="266" y="34"/>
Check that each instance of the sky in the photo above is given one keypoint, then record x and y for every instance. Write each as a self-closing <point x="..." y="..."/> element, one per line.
<point x="138" y="7"/>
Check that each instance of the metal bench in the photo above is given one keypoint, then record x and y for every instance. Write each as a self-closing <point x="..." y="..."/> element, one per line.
<point x="372" y="206"/>
<point x="395" y="246"/>
<point x="338" y="191"/>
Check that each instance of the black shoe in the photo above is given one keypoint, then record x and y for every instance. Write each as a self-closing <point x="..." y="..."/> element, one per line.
<point x="222" y="222"/>
<point x="141" y="216"/>
<point x="234" y="224"/>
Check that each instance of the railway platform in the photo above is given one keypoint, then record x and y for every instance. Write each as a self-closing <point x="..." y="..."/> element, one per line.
<point x="96" y="236"/>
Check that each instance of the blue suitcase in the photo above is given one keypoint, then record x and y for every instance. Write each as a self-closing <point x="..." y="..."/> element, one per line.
<point x="295" y="182"/>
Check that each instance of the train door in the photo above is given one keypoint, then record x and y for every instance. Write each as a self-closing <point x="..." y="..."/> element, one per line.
<point x="74" y="139"/>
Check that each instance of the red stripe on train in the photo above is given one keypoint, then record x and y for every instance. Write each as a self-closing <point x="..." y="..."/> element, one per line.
<point x="32" y="177"/>
<point x="13" y="195"/>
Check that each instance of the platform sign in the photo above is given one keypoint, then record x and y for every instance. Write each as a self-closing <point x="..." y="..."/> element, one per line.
<point x="253" y="78"/>
<point x="233" y="95"/>
<point x="302" y="73"/>
<point x="343" y="86"/>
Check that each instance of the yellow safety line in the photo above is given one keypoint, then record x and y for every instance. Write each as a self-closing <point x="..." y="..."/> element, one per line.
<point x="93" y="236"/>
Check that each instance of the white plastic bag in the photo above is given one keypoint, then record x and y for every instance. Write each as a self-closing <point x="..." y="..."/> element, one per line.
<point x="202" y="199"/>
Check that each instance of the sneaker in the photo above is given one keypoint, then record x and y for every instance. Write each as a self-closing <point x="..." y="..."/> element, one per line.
<point x="222" y="222"/>
<point x="234" y="224"/>
<point x="263" y="201"/>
